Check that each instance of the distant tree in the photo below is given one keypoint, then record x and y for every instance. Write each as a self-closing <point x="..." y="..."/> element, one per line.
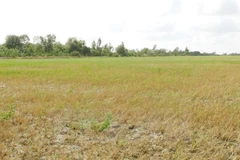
<point x="186" y="51"/>
<point x="46" y="42"/>
<point x="107" y="50"/>
<point x="24" y="39"/>
<point x="195" y="53"/>
<point x="154" y="47"/>
<point x="59" y="49"/>
<point x="99" y="43"/>
<point x="154" y="50"/>
<point x="94" y="49"/>
<point x="94" y="45"/>
<point x="121" y="50"/>
<point x="75" y="54"/>
<point x="176" y="51"/>
<point x="30" y="49"/>
<point x="19" y="43"/>
<point x="3" y="50"/>
<point x="162" y="52"/>
<point x="99" y="47"/>
<point x="133" y="52"/>
<point x="86" y="51"/>
<point x="75" y="45"/>
<point x="13" y="42"/>
<point x="145" y="52"/>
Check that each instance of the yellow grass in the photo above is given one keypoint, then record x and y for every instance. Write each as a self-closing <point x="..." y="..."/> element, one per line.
<point x="161" y="108"/>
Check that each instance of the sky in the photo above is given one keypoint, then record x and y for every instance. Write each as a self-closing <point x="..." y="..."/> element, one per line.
<point x="202" y="25"/>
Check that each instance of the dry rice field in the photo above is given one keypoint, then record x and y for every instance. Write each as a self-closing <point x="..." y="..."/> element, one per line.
<point x="120" y="108"/>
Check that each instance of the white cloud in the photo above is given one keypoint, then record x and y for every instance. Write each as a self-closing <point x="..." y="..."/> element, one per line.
<point x="199" y="24"/>
<point x="229" y="7"/>
<point x="223" y="26"/>
<point x="175" y="7"/>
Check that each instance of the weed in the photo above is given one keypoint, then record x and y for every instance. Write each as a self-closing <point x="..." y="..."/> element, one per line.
<point x="194" y="140"/>
<point x="121" y="143"/>
<point x="7" y="114"/>
<point x="101" y="126"/>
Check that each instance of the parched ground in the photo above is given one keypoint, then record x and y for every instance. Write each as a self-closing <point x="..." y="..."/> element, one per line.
<point x="120" y="108"/>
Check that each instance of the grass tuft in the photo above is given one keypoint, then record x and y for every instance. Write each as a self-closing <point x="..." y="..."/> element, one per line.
<point x="5" y="115"/>
<point x="101" y="126"/>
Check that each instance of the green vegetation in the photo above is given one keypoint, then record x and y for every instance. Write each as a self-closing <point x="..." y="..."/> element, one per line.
<point x="20" y="46"/>
<point x="92" y="124"/>
<point x="101" y="126"/>
<point x="5" y="115"/>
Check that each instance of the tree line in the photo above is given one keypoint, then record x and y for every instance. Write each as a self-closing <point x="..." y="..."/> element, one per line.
<point x="21" y="46"/>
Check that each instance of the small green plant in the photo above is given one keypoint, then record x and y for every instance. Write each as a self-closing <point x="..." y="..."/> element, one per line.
<point x="194" y="140"/>
<point x="8" y="114"/>
<point x="101" y="126"/>
<point x="121" y="143"/>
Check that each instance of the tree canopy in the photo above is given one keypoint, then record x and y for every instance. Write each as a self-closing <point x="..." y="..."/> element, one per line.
<point x="21" y="46"/>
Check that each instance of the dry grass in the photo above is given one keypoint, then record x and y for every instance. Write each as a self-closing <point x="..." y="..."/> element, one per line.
<point x="161" y="108"/>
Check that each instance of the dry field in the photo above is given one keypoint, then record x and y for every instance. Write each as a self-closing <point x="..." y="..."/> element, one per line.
<point x="120" y="108"/>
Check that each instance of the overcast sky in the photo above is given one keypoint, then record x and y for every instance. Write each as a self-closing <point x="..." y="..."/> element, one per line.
<point x="204" y="25"/>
